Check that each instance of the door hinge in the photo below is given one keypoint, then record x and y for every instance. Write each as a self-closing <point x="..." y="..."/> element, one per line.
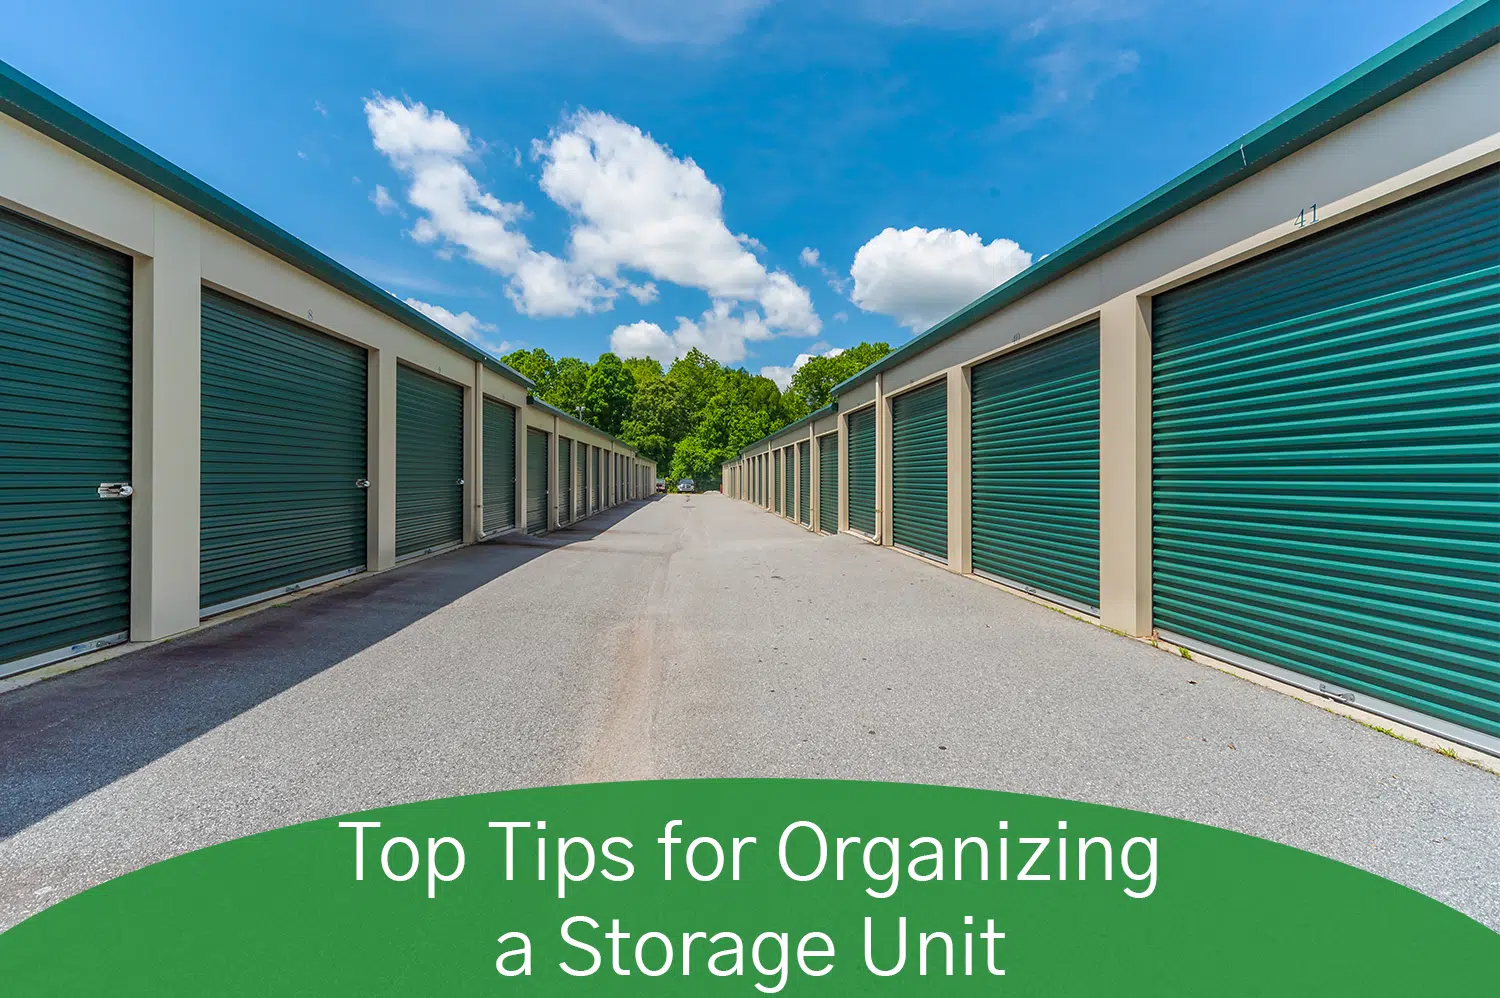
<point x="115" y="490"/>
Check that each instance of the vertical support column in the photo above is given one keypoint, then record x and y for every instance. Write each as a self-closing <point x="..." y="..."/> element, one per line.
<point x="474" y="456"/>
<point x="960" y="551"/>
<point x="882" y="464"/>
<point x="1125" y="465"/>
<point x="380" y="519"/>
<point x="165" y="455"/>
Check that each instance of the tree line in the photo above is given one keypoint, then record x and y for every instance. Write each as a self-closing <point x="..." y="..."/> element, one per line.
<point x="692" y="416"/>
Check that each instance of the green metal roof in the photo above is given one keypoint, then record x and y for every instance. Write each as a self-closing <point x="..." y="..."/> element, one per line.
<point x="32" y="104"/>
<point x="561" y="414"/>
<point x="1455" y="36"/>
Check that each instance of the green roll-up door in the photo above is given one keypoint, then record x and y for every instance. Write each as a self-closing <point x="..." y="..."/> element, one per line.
<point x="499" y="466"/>
<point x="598" y="478"/>
<point x="581" y="486"/>
<point x="828" y="483"/>
<point x="919" y="470"/>
<point x="1035" y="473"/>
<point x="429" y="462"/>
<point x="65" y="338"/>
<point x="536" y="481"/>
<point x="862" y="471"/>
<point x="1326" y="460"/>
<point x="776" y="460"/>
<point x="283" y="495"/>
<point x="564" y="479"/>
<point x="804" y="488"/>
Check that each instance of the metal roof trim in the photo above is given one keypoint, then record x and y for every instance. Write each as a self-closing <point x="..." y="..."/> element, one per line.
<point x="810" y="417"/>
<point x="1449" y="39"/>
<point x="554" y="410"/>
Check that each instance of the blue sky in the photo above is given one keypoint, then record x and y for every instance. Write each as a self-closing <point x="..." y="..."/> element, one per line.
<point x="652" y="175"/>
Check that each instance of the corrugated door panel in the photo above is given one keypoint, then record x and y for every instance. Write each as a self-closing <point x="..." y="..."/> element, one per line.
<point x="862" y="471"/>
<point x="1035" y="474"/>
<point x="788" y="482"/>
<point x="919" y="470"/>
<point x="283" y="452"/>
<point x="804" y="491"/>
<point x="536" y="481"/>
<point x="429" y="462"/>
<point x="1326" y="457"/>
<point x="65" y="355"/>
<point x="564" y="479"/>
<point x="828" y="483"/>
<point x="499" y="466"/>
<point x="776" y="460"/>
<point x="598" y="478"/>
<point x="581" y="486"/>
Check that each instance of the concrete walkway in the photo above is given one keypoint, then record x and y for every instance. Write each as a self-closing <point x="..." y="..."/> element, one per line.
<point x="690" y="636"/>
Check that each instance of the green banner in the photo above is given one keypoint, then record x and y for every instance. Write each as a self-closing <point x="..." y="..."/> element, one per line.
<point x="749" y="887"/>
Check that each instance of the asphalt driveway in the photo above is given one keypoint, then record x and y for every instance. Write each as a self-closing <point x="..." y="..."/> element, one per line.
<point x="690" y="636"/>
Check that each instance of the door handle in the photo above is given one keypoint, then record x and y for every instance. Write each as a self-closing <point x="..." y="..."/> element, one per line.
<point x="115" y="490"/>
<point x="361" y="483"/>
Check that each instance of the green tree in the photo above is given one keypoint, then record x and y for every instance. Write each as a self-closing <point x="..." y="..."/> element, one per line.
<point x="812" y="384"/>
<point x="568" y="387"/>
<point x="608" y="394"/>
<point x="536" y="364"/>
<point x="657" y="421"/>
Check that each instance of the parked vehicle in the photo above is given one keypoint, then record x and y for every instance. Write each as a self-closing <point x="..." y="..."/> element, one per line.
<point x="661" y="485"/>
<point x="686" y="485"/>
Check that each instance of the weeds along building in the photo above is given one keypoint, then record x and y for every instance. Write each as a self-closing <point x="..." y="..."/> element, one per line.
<point x="1256" y="413"/>
<point x="198" y="411"/>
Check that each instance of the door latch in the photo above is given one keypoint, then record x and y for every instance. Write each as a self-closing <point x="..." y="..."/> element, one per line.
<point x="361" y="483"/>
<point x="115" y="490"/>
<point x="460" y="481"/>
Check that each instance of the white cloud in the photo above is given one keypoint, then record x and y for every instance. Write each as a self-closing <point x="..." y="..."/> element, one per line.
<point x="382" y="200"/>
<point x="812" y="258"/>
<point x="721" y="332"/>
<point x="431" y="150"/>
<point x="633" y="207"/>
<point x="841" y="317"/>
<point x="318" y="107"/>
<point x="638" y="207"/>
<point x="783" y="375"/>
<point x="465" y="324"/>
<point x="919" y="276"/>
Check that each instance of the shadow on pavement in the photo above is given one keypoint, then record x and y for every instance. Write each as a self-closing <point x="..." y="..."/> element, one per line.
<point x="63" y="738"/>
